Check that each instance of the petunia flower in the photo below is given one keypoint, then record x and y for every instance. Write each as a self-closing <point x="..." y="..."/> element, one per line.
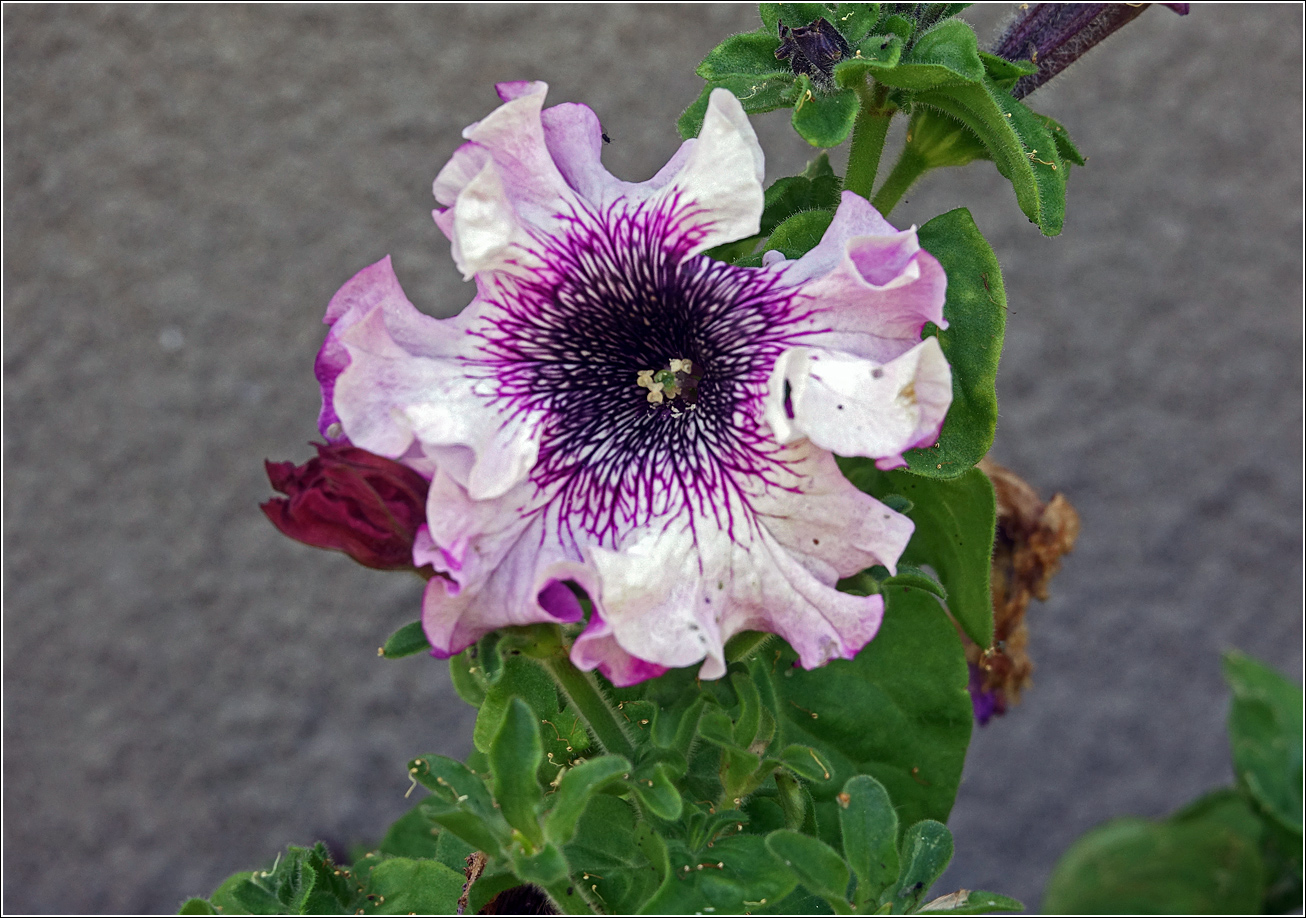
<point x="713" y="508"/>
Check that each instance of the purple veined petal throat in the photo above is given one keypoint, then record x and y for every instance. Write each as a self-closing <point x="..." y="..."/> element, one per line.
<point x="615" y="412"/>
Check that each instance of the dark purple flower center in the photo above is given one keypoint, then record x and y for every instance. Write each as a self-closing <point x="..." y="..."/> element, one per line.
<point x="616" y="295"/>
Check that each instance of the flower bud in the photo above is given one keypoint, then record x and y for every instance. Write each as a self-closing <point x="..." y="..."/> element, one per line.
<point x="353" y="501"/>
<point x="813" y="49"/>
<point x="1054" y="35"/>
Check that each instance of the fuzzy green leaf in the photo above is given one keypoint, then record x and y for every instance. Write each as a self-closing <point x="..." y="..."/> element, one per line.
<point x="972" y="902"/>
<point x="197" y="906"/>
<point x="1018" y="142"/>
<point x="800" y="233"/>
<point x="460" y="802"/>
<point x="655" y="787"/>
<point x="757" y="93"/>
<point x="411" y="835"/>
<point x="874" y="55"/>
<point x="515" y="757"/>
<point x="614" y="849"/>
<point x="945" y="55"/>
<point x="824" y="119"/>
<point x="1132" y="865"/>
<point x="578" y="785"/>
<point x="955" y="522"/>
<point x="899" y="712"/>
<point x="925" y="853"/>
<point x="816" y="865"/>
<point x="734" y="875"/>
<point x="792" y="14"/>
<point x="976" y="310"/>
<point x="407" y="886"/>
<point x="750" y="52"/>
<point x="405" y="642"/>
<point x="854" y="20"/>
<point x="1265" y="731"/>
<point x="869" y="828"/>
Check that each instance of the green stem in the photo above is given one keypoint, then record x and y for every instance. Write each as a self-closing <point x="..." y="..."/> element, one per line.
<point x="910" y="166"/>
<point x="583" y="692"/>
<point x="869" y="131"/>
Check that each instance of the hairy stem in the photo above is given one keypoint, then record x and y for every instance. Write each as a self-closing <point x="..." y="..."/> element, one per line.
<point x="583" y="691"/>
<point x="869" y="132"/>
<point x="910" y="166"/>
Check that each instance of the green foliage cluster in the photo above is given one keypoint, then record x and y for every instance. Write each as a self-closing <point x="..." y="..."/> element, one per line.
<point x="923" y="63"/>
<point x="1235" y="850"/>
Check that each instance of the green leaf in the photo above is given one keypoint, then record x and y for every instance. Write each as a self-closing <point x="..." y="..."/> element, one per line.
<point x="816" y="865"/>
<point x="976" y="310"/>
<point x="543" y="868"/>
<point x="489" y="656"/>
<point x="578" y="785"/>
<point x="800" y="233"/>
<point x="854" y="20"/>
<point x="1131" y="865"/>
<point x="197" y="906"/>
<point x="926" y="851"/>
<point x="899" y="712"/>
<point x="411" y="835"/>
<point x="463" y="674"/>
<point x="873" y="55"/>
<point x="407" y="886"/>
<point x="521" y="677"/>
<point x="869" y="827"/>
<point x="1265" y="731"/>
<point x="654" y="786"/>
<point x="732" y="876"/>
<point x="750" y="52"/>
<point x="460" y="802"/>
<point x="405" y="642"/>
<point x="791" y="14"/>
<point x="1069" y="152"/>
<point x="912" y="576"/>
<point x="945" y="55"/>
<point x="515" y="757"/>
<point x="824" y="119"/>
<point x="239" y="896"/>
<point x="1005" y="73"/>
<point x="816" y="189"/>
<point x="610" y="852"/>
<point x="955" y="522"/>
<point x="804" y="762"/>
<point x="973" y="902"/>
<point x="1018" y="142"/>
<point x="757" y="93"/>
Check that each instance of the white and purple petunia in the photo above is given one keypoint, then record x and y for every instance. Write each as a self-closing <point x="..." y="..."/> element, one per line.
<point x="617" y="412"/>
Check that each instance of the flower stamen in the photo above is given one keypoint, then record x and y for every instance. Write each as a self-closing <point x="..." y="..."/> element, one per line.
<point x="675" y="380"/>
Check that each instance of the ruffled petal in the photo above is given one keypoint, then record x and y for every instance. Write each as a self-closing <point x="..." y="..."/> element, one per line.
<point x="404" y="379"/>
<point x="858" y="407"/>
<point x="673" y="596"/>
<point x="374" y="287"/>
<point x="720" y="179"/>
<point x="871" y="287"/>
<point x="823" y="521"/>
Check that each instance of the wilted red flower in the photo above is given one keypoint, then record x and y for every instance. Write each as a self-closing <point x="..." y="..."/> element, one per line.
<point x="353" y="501"/>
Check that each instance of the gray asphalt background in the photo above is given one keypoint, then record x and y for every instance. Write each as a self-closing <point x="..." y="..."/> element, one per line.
<point x="186" y="691"/>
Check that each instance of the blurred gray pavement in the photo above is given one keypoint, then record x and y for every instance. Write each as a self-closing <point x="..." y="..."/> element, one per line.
<point x="186" y="691"/>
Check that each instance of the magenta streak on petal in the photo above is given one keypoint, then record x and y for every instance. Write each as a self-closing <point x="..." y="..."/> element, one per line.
<point x="614" y="293"/>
